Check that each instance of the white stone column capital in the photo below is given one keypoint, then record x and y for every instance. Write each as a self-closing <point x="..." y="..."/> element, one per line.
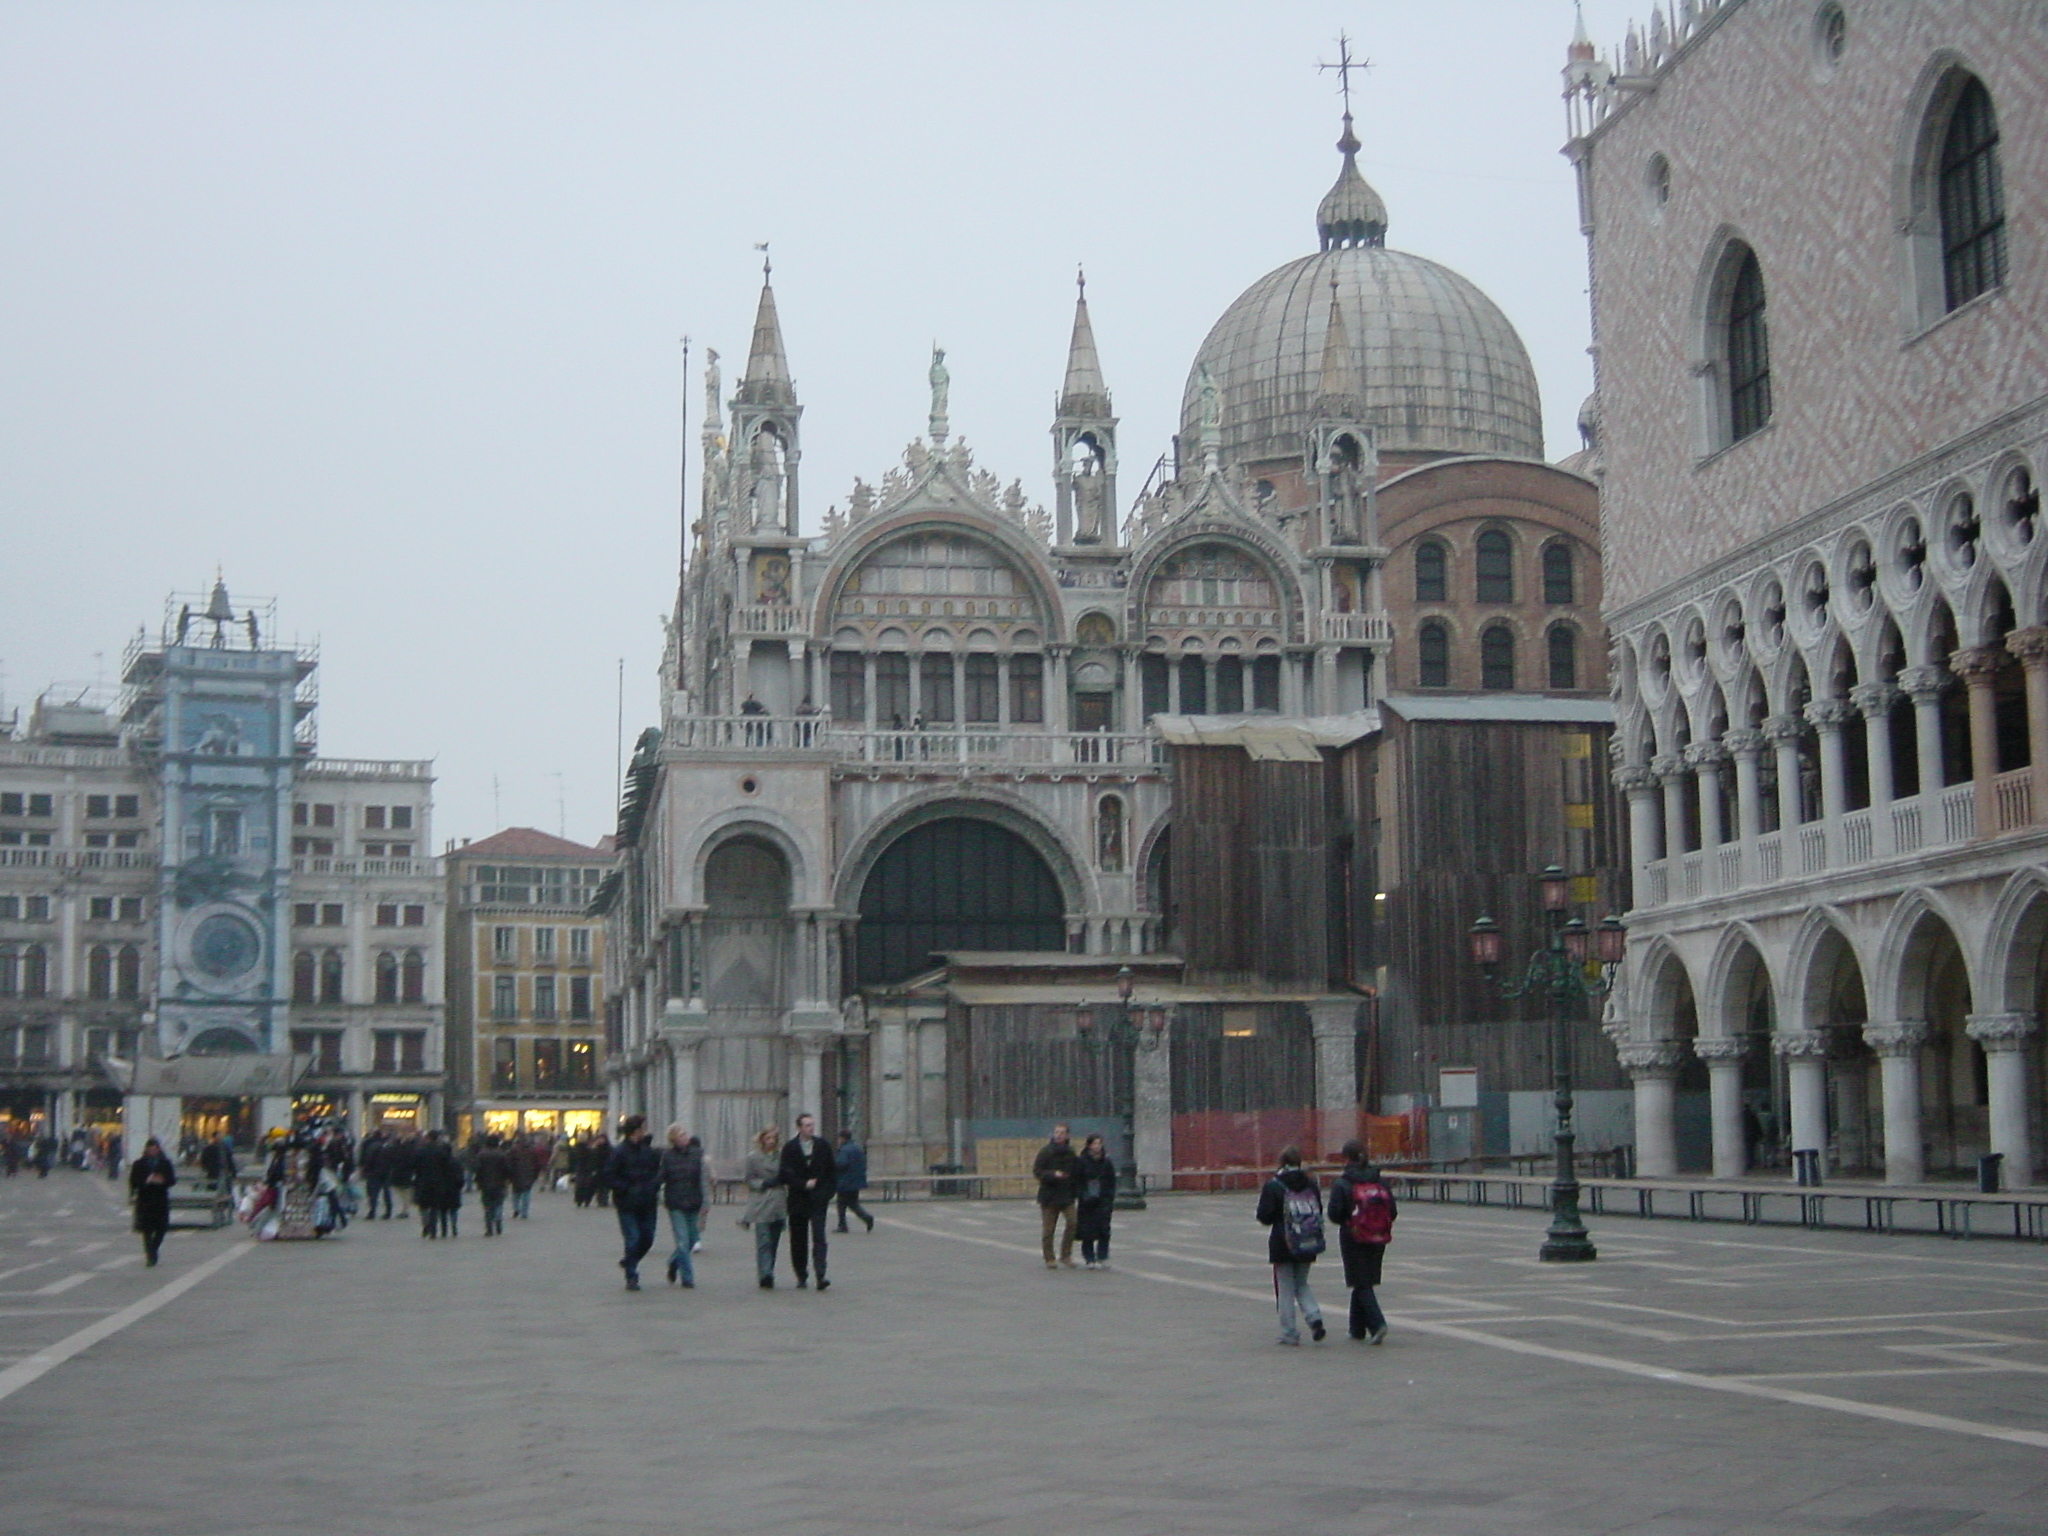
<point x="1653" y="1059"/>
<point x="1874" y="699"/>
<point x="1717" y="1049"/>
<point x="1669" y="766"/>
<point x="1925" y="682"/>
<point x="1743" y="743"/>
<point x="1829" y="714"/>
<point x="1704" y="754"/>
<point x="1801" y="1044"/>
<point x="1634" y="779"/>
<point x="1781" y="729"/>
<point x="1896" y="1037"/>
<point x="2002" y="1032"/>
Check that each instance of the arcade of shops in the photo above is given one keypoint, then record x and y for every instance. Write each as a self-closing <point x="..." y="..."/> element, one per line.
<point x="556" y="1120"/>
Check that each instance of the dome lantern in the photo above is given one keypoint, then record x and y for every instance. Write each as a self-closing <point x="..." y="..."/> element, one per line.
<point x="1351" y="213"/>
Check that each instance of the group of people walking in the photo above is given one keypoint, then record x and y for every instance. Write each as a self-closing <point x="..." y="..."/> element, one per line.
<point x="1362" y="1209"/>
<point x="791" y="1186"/>
<point x="1076" y="1195"/>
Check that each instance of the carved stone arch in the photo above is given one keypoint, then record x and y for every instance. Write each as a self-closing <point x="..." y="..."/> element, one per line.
<point x="1912" y="929"/>
<point x="869" y="537"/>
<point x="1809" y="969"/>
<point x="770" y="826"/>
<point x="1739" y="957"/>
<point x="1069" y="865"/>
<point x="1668" y="993"/>
<point x="2015" y="945"/>
<point x="1706" y="339"/>
<point x="1248" y="538"/>
<point x="1915" y="184"/>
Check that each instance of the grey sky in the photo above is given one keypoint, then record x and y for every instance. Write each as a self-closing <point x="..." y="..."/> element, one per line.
<point x="378" y="306"/>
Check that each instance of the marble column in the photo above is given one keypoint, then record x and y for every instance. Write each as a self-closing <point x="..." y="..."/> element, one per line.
<point x="1057" y="691"/>
<point x="1334" y="1021"/>
<point x="1897" y="1047"/>
<point x="1745" y="746"/>
<point x="1723" y="1055"/>
<point x="1652" y="1066"/>
<point x="1924" y="687"/>
<point x="2008" y="1040"/>
<point x="1671" y="773"/>
<point x="1784" y="732"/>
<point x="1152" y="1103"/>
<point x="1806" y="1064"/>
<point x="807" y="1073"/>
<point x="1978" y="669"/>
<point x="1645" y="819"/>
<point x="2031" y="646"/>
<point x="1133" y="715"/>
<point x="1874" y="701"/>
<point x="1828" y="716"/>
<point x="1705" y="759"/>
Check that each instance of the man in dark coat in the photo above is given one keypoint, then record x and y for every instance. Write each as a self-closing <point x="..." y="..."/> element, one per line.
<point x="150" y="1178"/>
<point x="850" y="1170"/>
<point x="493" y="1178"/>
<point x="437" y="1186"/>
<point x="1058" y="1189"/>
<point x="1360" y="1182"/>
<point x="527" y="1161"/>
<point x="376" y="1166"/>
<point x="809" y="1174"/>
<point x="632" y="1176"/>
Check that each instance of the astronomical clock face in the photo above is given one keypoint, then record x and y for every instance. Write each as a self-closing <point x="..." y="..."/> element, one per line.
<point x="222" y="951"/>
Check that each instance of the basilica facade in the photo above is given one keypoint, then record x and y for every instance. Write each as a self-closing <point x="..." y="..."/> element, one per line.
<point x="936" y="727"/>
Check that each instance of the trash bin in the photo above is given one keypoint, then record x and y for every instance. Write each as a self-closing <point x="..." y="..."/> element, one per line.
<point x="1806" y="1167"/>
<point x="1989" y="1167"/>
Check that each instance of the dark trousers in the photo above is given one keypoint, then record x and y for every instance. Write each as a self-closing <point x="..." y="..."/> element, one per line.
<point x="850" y="1201"/>
<point x="1095" y="1250"/>
<point x="1366" y="1317"/>
<point x="152" y="1240"/>
<point x="377" y="1187"/>
<point x="494" y="1216"/>
<point x="807" y="1237"/>
<point x="636" y="1226"/>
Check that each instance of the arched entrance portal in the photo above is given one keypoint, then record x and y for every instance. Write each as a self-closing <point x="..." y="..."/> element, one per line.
<point x="955" y="883"/>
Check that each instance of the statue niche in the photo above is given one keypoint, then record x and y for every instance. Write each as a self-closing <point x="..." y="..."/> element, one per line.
<point x="765" y="470"/>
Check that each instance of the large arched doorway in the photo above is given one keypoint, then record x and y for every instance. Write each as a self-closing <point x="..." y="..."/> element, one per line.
<point x="955" y="883"/>
<point x="743" y="1068"/>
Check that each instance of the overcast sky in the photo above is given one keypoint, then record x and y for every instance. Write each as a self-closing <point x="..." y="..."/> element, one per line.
<point x="377" y="307"/>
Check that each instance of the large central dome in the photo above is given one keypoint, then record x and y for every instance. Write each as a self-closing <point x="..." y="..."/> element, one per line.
<point x="1440" y="369"/>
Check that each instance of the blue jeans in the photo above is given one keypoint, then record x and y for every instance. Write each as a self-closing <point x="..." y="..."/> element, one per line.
<point x="522" y="1202"/>
<point x="636" y="1226"/>
<point x="1290" y="1290"/>
<point x="376" y="1189"/>
<point x="767" y="1238"/>
<point x="683" y="1224"/>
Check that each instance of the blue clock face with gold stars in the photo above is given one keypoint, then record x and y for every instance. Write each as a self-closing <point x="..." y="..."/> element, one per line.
<point x="225" y="946"/>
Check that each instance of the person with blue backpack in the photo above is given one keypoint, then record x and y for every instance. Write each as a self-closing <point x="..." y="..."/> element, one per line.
<point x="1362" y="1209"/>
<point x="1291" y="1204"/>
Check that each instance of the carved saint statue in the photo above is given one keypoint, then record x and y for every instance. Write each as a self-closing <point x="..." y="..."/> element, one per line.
<point x="942" y="383"/>
<point x="766" y="477"/>
<point x="711" y="387"/>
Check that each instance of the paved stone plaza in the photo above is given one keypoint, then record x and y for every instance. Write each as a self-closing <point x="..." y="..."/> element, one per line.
<point x="1698" y="1379"/>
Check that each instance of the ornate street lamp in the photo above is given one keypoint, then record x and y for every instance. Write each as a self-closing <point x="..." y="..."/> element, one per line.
<point x="1560" y="972"/>
<point x="1128" y="1034"/>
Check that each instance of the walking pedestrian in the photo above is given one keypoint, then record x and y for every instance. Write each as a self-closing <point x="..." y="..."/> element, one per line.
<point x="809" y="1175"/>
<point x="524" y="1162"/>
<point x="1095" y="1200"/>
<point x="850" y="1176"/>
<point x="1292" y="1205"/>
<point x="682" y="1195"/>
<point x="405" y="1162"/>
<point x="493" y="1179"/>
<point x="632" y="1176"/>
<point x="1055" y="1168"/>
<point x="437" y="1186"/>
<point x="767" y="1211"/>
<point x="150" y="1178"/>
<point x="375" y="1163"/>
<point x="114" y="1156"/>
<point x="1362" y="1209"/>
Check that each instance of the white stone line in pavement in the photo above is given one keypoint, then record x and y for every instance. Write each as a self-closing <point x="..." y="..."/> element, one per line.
<point x="22" y="1269"/>
<point x="1914" y="1370"/>
<point x="1188" y="1258"/>
<point x="122" y="1262"/>
<point x="41" y="1242"/>
<point x="54" y="1311"/>
<point x="59" y="1287"/>
<point x="1466" y="1334"/>
<point x="43" y="1361"/>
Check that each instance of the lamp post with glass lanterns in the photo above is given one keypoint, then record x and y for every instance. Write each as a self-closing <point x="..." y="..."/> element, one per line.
<point x="1135" y="1035"/>
<point x="1559" y="971"/>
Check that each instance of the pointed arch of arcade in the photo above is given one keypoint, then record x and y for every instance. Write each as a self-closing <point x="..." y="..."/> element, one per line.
<point x="1669" y="995"/>
<point x="1811" y="970"/>
<point x="1920" y="926"/>
<point x="1739" y="964"/>
<point x="1049" y="887"/>
<point x="1002" y="535"/>
<point x="769" y="826"/>
<point x="2016" y="945"/>
<point x="1241" y="536"/>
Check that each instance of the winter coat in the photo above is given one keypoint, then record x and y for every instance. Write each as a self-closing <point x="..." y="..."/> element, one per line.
<point x="1361" y="1260"/>
<point x="797" y="1170"/>
<point x="633" y="1175"/>
<point x="1055" y="1167"/>
<point x="682" y="1176"/>
<point x="524" y="1164"/>
<point x="402" y="1163"/>
<point x="376" y="1159"/>
<point x="493" y="1173"/>
<point x="1095" y="1185"/>
<point x="770" y="1202"/>
<point x="437" y="1178"/>
<point x="1272" y="1205"/>
<point x="152" y="1201"/>
<point x="851" y="1163"/>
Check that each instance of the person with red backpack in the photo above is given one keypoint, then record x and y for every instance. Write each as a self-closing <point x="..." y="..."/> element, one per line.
<point x="1362" y="1210"/>
<point x="1292" y="1205"/>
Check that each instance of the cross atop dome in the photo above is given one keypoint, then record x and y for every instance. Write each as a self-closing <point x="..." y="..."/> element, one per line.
<point x="1351" y="212"/>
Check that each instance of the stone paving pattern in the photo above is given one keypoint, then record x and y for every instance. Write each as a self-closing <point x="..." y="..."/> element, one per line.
<point x="949" y="1383"/>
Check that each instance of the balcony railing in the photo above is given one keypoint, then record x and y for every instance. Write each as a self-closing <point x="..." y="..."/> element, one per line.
<point x="911" y="750"/>
<point x="767" y="619"/>
<point x="77" y="858"/>
<point x="747" y="733"/>
<point x="1374" y="628"/>
<point x="1945" y="818"/>
<point x="320" y="864"/>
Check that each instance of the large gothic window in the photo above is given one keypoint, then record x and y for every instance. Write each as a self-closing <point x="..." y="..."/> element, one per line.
<point x="1557" y="574"/>
<point x="1495" y="567"/>
<point x="1971" y="199"/>
<point x="1563" y="646"/>
<point x="955" y="884"/>
<point x="1749" y="351"/>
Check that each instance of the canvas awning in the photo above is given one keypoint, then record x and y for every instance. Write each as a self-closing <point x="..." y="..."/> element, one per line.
<point x="210" y="1077"/>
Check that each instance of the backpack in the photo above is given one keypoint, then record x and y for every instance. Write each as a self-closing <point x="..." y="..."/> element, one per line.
<point x="1301" y="1220"/>
<point x="1372" y="1214"/>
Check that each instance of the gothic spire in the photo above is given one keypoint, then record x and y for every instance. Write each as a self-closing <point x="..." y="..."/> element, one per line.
<point x="1083" y="393"/>
<point x="767" y="379"/>
<point x="1338" y="396"/>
